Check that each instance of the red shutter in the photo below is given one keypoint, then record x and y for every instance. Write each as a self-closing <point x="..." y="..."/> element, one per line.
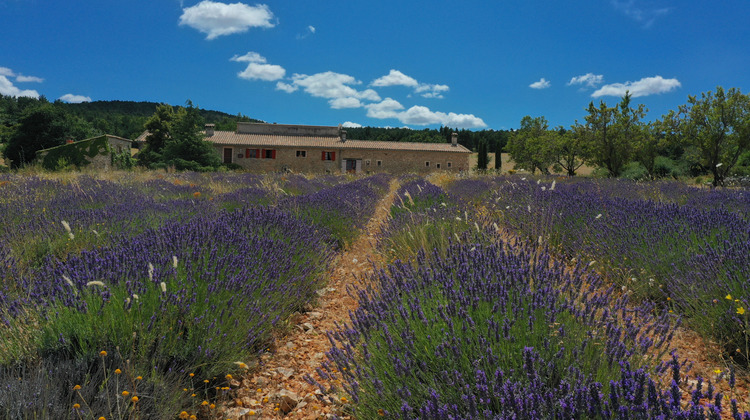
<point x="322" y="155"/>
<point x="257" y="153"/>
<point x="262" y="153"/>
<point x="273" y="154"/>
<point x="247" y="153"/>
<point x="333" y="155"/>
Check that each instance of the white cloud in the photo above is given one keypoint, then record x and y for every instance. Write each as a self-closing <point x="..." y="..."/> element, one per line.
<point x="385" y="109"/>
<point x="8" y="89"/>
<point x="541" y="84"/>
<point x="395" y="78"/>
<point x="257" y="69"/>
<point x="286" y="87"/>
<point x="589" y="79"/>
<point x="267" y="72"/>
<point x="644" y="87"/>
<point x="349" y="124"/>
<point x="250" y="57"/>
<point x="340" y="103"/>
<point x="23" y="79"/>
<point x="4" y="71"/>
<point x="645" y="16"/>
<point x="311" y="29"/>
<point x="421" y="115"/>
<point x="308" y="31"/>
<point x="74" y="99"/>
<point x="217" y="19"/>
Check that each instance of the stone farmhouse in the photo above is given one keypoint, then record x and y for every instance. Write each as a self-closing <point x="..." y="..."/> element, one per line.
<point x="325" y="149"/>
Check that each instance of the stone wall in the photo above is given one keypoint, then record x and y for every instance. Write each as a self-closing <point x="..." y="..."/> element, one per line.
<point x="287" y="130"/>
<point x="372" y="161"/>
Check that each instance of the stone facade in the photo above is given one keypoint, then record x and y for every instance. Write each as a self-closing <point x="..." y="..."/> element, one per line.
<point x="315" y="149"/>
<point x="95" y="152"/>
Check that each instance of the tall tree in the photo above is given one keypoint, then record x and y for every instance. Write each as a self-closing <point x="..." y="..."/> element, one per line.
<point x="186" y="148"/>
<point x="531" y="147"/>
<point x="159" y="127"/>
<point x="571" y="148"/>
<point x="483" y="156"/>
<point x="40" y="128"/>
<point x="716" y="127"/>
<point x="612" y="132"/>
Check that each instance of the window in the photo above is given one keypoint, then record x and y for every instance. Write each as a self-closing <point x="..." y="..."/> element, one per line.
<point x="301" y="153"/>
<point x="380" y="163"/>
<point x="269" y="154"/>
<point x="252" y="153"/>
<point x="438" y="166"/>
<point x="449" y="164"/>
<point x="427" y="164"/>
<point x="328" y="156"/>
<point x="367" y="162"/>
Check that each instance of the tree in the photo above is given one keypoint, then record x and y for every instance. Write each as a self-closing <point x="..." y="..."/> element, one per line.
<point x="483" y="158"/>
<point x="186" y="149"/>
<point x="570" y="148"/>
<point x="716" y="127"/>
<point x="40" y="128"/>
<point x="612" y="133"/>
<point x="531" y="147"/>
<point x="159" y="128"/>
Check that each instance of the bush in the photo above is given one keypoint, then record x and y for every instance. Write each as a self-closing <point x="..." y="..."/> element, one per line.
<point x="634" y="171"/>
<point x="665" y="167"/>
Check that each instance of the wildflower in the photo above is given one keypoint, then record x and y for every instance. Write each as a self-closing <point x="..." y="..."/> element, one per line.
<point x="265" y="399"/>
<point x="343" y="400"/>
<point x="598" y="216"/>
<point x="77" y="387"/>
<point x="717" y="371"/>
<point x="102" y="418"/>
<point x="139" y="378"/>
<point x="192" y="417"/>
<point x="204" y="402"/>
<point x="740" y="310"/>
<point x="95" y="283"/>
<point x="212" y="406"/>
<point x="552" y="187"/>
<point x="184" y="415"/>
<point x="259" y="390"/>
<point x="197" y="194"/>
<point x="381" y="412"/>
<point x="163" y="287"/>
<point x="205" y="381"/>
<point x="241" y="365"/>
<point x="68" y="280"/>
<point x="191" y="375"/>
<point x="118" y="371"/>
<point x="103" y="353"/>
<point x="252" y="412"/>
<point x="134" y="399"/>
<point x="174" y="261"/>
<point x="125" y="393"/>
<point x="728" y="297"/>
<point x="229" y="377"/>
<point x="76" y="406"/>
<point x="150" y="271"/>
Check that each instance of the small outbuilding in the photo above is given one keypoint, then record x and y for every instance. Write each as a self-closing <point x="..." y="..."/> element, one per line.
<point x="102" y="152"/>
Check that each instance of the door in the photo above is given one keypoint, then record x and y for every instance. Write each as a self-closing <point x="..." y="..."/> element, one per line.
<point x="228" y="155"/>
<point x="351" y="165"/>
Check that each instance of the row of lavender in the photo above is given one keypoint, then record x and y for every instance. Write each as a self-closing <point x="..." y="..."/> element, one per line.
<point x="482" y="328"/>
<point x="690" y="257"/>
<point x="193" y="290"/>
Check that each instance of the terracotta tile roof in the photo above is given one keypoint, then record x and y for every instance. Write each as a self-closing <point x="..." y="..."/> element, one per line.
<point x="230" y="138"/>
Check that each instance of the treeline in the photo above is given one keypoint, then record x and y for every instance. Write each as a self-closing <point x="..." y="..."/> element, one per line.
<point x="494" y="140"/>
<point x="28" y="125"/>
<point x="710" y="134"/>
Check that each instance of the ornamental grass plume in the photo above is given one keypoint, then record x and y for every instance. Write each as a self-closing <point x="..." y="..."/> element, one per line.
<point x="67" y="229"/>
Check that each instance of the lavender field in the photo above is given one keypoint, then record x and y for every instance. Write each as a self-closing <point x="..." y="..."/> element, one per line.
<point x="503" y="297"/>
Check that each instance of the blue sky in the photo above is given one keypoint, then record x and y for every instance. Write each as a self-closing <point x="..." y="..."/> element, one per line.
<point x="470" y="64"/>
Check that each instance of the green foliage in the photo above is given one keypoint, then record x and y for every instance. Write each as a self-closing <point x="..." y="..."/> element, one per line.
<point x="717" y="128"/>
<point x="186" y="149"/>
<point x="75" y="154"/>
<point x="634" y="171"/>
<point x="483" y="157"/>
<point x="496" y="139"/>
<point x="570" y="148"/>
<point x="532" y="146"/>
<point x="665" y="167"/>
<point x="41" y="128"/>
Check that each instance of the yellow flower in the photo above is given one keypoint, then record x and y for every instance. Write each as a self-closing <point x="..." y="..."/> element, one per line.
<point x="343" y="400"/>
<point x="184" y="415"/>
<point x="741" y="310"/>
<point x="197" y="194"/>
<point x="229" y="377"/>
<point x="192" y="395"/>
<point x="139" y="378"/>
<point x="212" y="406"/>
<point x="102" y="418"/>
<point x="381" y="412"/>
<point x="717" y="371"/>
<point x="265" y="399"/>
<point x="103" y="353"/>
<point x="252" y="412"/>
<point x="241" y="365"/>
<point x="125" y="393"/>
<point x="259" y="390"/>
<point x="77" y="387"/>
<point x="204" y="402"/>
<point x="728" y="297"/>
<point x="205" y="381"/>
<point x="134" y="399"/>
<point x="191" y="375"/>
<point x="192" y="417"/>
<point x="118" y="371"/>
<point x="76" y="406"/>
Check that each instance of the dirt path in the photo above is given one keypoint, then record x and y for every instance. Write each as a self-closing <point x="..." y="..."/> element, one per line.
<point x="277" y="389"/>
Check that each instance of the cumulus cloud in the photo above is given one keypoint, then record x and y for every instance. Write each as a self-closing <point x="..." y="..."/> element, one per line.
<point x="8" y="89"/>
<point x="257" y="69"/>
<point x="311" y="29"/>
<point x="541" y="84"/>
<point x="74" y="99"/>
<point x="286" y="87"/>
<point x="4" y="71"/>
<point x="421" y="115"/>
<point x="644" y="87"/>
<point x="23" y="79"/>
<point x="217" y="19"/>
<point x="647" y="17"/>
<point x="397" y="78"/>
<point x="336" y="87"/>
<point x="589" y="79"/>
<point x="349" y="124"/>
<point x="340" y="103"/>
<point x="308" y="31"/>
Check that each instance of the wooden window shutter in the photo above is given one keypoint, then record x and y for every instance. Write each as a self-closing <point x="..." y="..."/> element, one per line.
<point x="257" y="153"/>
<point x="273" y="154"/>
<point x="262" y="153"/>
<point x="333" y="155"/>
<point x="322" y="155"/>
<point x="247" y="153"/>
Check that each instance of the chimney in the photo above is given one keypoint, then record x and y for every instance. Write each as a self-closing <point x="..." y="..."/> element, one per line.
<point x="343" y="135"/>
<point x="210" y="130"/>
<point x="454" y="139"/>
